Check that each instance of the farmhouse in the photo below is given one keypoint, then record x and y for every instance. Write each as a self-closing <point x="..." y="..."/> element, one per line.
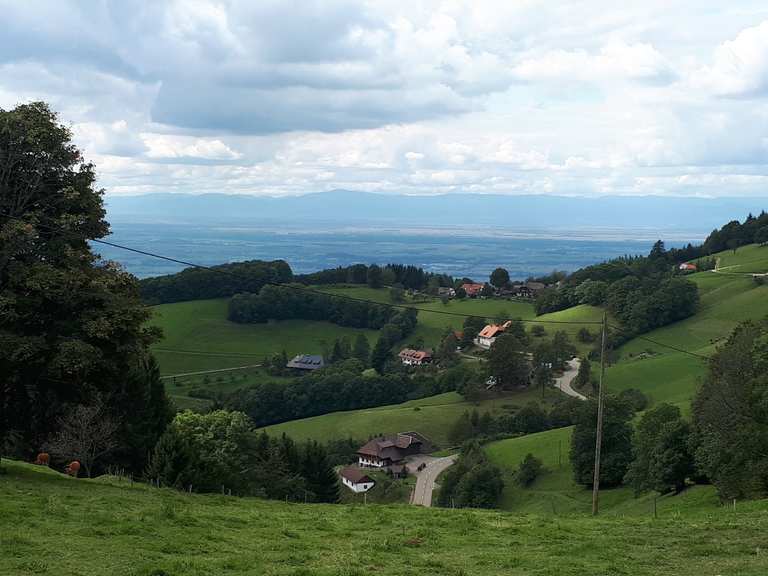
<point x="356" y="480"/>
<point x="531" y="289"/>
<point x="411" y="357"/>
<point x="306" y="362"/>
<point x="687" y="267"/>
<point x="385" y="451"/>
<point x="487" y="336"/>
<point x="446" y="291"/>
<point x="472" y="290"/>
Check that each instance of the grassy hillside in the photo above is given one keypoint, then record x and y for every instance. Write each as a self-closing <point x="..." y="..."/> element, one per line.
<point x="432" y="325"/>
<point x="431" y="416"/>
<point x="203" y="338"/>
<point x="55" y="525"/>
<point x="747" y="259"/>
<point x="665" y="375"/>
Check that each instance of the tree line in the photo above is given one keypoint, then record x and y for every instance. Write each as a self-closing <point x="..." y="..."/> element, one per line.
<point x="340" y="386"/>
<point x="725" y="443"/>
<point x="375" y="276"/>
<point x="286" y="303"/>
<point x="642" y="292"/>
<point x="220" y="281"/>
<point x="221" y="452"/>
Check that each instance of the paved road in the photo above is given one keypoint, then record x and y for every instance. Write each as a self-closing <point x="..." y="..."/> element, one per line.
<point x="425" y="480"/>
<point x="564" y="382"/>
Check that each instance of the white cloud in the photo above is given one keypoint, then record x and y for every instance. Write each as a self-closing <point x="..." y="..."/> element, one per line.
<point x="425" y="97"/>
<point x="740" y="66"/>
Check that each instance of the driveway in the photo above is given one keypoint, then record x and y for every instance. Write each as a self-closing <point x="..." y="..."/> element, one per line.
<point x="564" y="382"/>
<point x="425" y="480"/>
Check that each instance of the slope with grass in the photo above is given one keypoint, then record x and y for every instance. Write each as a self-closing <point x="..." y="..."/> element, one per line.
<point x="435" y="317"/>
<point x="198" y="336"/>
<point x="664" y="375"/>
<point x="50" y="524"/>
<point x="431" y="416"/>
<point x="750" y="259"/>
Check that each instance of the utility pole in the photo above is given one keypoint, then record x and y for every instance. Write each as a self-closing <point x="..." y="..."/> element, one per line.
<point x="599" y="434"/>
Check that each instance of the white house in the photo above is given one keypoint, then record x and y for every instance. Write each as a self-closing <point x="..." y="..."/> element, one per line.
<point x="356" y="480"/>
<point x="488" y="335"/>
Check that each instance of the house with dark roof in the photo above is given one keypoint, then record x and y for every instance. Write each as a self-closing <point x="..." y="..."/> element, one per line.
<point x="306" y="362"/>
<point x="385" y="451"/>
<point x="531" y="289"/>
<point x="356" y="479"/>
<point x="411" y="357"/>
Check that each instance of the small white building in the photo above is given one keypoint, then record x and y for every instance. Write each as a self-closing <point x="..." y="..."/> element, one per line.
<point x="488" y="335"/>
<point x="356" y="480"/>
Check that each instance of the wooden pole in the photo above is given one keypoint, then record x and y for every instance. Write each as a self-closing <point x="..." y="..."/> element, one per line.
<point x="599" y="431"/>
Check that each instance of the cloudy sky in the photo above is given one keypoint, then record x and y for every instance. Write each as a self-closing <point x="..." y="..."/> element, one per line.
<point x="419" y="97"/>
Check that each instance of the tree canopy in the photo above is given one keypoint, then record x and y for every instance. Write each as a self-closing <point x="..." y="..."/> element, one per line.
<point x="72" y="326"/>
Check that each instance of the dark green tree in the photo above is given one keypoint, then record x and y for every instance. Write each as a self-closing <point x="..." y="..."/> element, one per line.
<point x="730" y="415"/>
<point x="499" y="277"/>
<point x="362" y="349"/>
<point x="374" y="276"/>
<point x="508" y="362"/>
<point x="761" y="236"/>
<point x="173" y="462"/>
<point x="662" y="460"/>
<point x="616" y="452"/>
<point x="71" y="327"/>
<point x="471" y="328"/>
<point x="584" y="375"/>
<point x="380" y="354"/>
<point x="321" y="479"/>
<point x="529" y="470"/>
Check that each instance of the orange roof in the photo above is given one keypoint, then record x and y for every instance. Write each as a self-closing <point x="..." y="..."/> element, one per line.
<point x="493" y="330"/>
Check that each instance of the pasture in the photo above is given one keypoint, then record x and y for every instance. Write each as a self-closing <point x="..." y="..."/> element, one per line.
<point x="50" y="524"/>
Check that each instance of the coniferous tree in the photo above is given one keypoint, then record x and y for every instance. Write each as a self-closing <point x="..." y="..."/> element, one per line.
<point x="362" y="349"/>
<point x="321" y="479"/>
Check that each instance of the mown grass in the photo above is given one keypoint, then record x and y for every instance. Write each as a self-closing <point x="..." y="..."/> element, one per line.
<point x="202" y="338"/>
<point x="431" y="416"/>
<point x="752" y="258"/>
<point x="55" y="525"/>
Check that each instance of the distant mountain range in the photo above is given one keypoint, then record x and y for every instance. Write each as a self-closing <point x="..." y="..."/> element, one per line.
<point x="348" y="208"/>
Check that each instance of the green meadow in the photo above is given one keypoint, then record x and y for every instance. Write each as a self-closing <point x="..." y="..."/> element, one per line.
<point x="50" y="524"/>
<point x="431" y="416"/>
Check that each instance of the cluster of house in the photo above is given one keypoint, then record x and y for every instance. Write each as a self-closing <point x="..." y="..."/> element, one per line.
<point x="516" y="289"/>
<point x="385" y="453"/>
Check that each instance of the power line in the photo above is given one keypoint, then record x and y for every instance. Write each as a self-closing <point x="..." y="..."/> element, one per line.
<point x="362" y="300"/>
<point x="307" y="289"/>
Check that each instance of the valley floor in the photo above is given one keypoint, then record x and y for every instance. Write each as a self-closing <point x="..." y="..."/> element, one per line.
<point x="50" y="524"/>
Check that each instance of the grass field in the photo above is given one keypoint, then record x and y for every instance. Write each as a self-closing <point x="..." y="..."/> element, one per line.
<point x="663" y="374"/>
<point x="203" y="339"/>
<point x="432" y="323"/>
<point x="747" y="259"/>
<point x="431" y="416"/>
<point x="50" y="524"/>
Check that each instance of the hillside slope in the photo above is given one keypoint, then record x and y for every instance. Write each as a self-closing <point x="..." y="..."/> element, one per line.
<point x="50" y="524"/>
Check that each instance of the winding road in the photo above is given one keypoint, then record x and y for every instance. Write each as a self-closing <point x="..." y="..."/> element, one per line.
<point x="564" y="382"/>
<point x="425" y="479"/>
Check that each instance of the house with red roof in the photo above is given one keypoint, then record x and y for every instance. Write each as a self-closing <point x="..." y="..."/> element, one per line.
<point x="472" y="290"/>
<point x="687" y="267"/>
<point x="411" y="357"/>
<point x="487" y="336"/>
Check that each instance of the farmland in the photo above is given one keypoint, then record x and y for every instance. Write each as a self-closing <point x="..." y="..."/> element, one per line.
<point x="159" y="531"/>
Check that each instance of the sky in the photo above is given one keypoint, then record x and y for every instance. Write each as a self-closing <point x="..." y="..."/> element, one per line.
<point x="288" y="97"/>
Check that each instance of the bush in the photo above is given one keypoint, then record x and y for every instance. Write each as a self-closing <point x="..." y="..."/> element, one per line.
<point x="529" y="470"/>
<point x="636" y="399"/>
<point x="538" y="331"/>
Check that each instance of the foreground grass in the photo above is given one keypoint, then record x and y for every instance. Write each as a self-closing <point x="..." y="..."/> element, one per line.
<point x="54" y="525"/>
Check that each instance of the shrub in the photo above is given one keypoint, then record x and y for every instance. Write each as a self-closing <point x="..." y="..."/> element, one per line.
<point x="529" y="470"/>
